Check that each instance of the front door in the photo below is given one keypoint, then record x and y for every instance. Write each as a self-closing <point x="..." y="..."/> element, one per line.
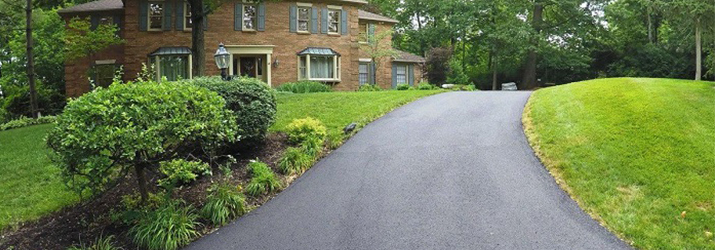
<point x="248" y="66"/>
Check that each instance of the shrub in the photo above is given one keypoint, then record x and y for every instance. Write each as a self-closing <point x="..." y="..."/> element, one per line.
<point x="313" y="147"/>
<point x="303" y="87"/>
<point x="225" y="203"/>
<point x="3" y="113"/>
<point x="24" y="122"/>
<point x="301" y="129"/>
<point x="252" y="100"/>
<point x="169" y="227"/>
<point x="263" y="180"/>
<point x="369" y="87"/>
<point x="103" y="135"/>
<point x="403" y="86"/>
<point x="102" y="243"/>
<point x="181" y="172"/>
<point x="294" y="161"/>
<point x="426" y="86"/>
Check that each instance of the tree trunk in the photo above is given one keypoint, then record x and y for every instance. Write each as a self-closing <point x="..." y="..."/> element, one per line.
<point x="141" y="180"/>
<point x="698" y="51"/>
<point x="30" y="61"/>
<point x="198" y="59"/>
<point x="529" y="78"/>
<point x="649" y="16"/>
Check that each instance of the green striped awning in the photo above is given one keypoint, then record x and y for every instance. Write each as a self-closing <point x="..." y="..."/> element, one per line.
<point x="314" y="51"/>
<point x="169" y="51"/>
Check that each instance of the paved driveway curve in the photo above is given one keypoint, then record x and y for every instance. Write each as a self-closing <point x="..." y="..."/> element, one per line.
<point x="450" y="171"/>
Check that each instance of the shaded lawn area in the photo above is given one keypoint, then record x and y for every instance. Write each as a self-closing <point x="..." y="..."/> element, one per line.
<point x="635" y="153"/>
<point x="32" y="187"/>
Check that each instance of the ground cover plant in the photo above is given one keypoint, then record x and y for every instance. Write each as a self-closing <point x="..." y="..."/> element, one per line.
<point x="25" y="121"/>
<point x="635" y="153"/>
<point x="263" y="179"/>
<point x="224" y="203"/>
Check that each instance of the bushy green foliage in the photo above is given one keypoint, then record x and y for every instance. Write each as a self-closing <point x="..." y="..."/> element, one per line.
<point x="169" y="227"/>
<point x="369" y="87"/>
<point x="225" y="203"/>
<point x="103" y="135"/>
<point x="426" y="86"/>
<point x="25" y="121"/>
<point x="402" y="86"/>
<point x="263" y="179"/>
<point x="660" y="63"/>
<point x="3" y="113"/>
<point x="456" y="74"/>
<point x="101" y="243"/>
<point x="294" y="161"/>
<point x="301" y="129"/>
<point x="180" y="171"/>
<point x="252" y="100"/>
<point x="303" y="87"/>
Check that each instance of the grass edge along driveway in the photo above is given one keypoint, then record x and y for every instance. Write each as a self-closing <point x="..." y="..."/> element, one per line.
<point x="637" y="154"/>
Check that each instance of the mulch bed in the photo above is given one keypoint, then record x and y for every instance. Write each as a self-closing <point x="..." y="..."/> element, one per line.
<point x="87" y="221"/>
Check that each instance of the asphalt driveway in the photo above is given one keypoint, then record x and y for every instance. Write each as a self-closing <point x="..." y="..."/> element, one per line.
<point x="451" y="171"/>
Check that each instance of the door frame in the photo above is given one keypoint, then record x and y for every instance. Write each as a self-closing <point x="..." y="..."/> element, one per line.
<point x="258" y="50"/>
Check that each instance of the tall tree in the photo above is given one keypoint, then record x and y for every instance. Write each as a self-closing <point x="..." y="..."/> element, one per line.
<point x="30" y="63"/>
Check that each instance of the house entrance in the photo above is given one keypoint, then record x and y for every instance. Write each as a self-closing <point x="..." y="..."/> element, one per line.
<point x="251" y="66"/>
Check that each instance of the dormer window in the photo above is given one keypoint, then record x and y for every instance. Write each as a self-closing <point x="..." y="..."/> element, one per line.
<point x="156" y="15"/>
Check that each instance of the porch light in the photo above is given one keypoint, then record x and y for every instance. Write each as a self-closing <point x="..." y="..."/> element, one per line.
<point x="222" y="57"/>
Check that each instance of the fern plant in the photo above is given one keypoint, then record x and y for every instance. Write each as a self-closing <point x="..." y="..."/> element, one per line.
<point x="263" y="179"/>
<point x="225" y="203"/>
<point x="171" y="226"/>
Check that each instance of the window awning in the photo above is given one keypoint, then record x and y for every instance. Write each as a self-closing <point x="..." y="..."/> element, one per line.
<point x="313" y="51"/>
<point x="171" y="51"/>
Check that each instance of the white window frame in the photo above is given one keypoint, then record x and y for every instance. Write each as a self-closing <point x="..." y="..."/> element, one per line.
<point x="157" y="65"/>
<point x="187" y="14"/>
<point x="149" y="15"/>
<point x="297" y="16"/>
<point x="246" y="4"/>
<point x="339" y="10"/>
<point x="336" y="69"/>
<point x="397" y="74"/>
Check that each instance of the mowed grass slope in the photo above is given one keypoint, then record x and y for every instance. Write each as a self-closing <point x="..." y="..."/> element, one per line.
<point x="30" y="186"/>
<point x="638" y="154"/>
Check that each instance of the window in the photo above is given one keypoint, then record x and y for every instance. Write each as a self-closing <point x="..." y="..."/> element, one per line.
<point x="319" y="68"/>
<point x="173" y="67"/>
<point x="187" y="17"/>
<point x="367" y="33"/>
<point x="249" y="15"/>
<point x="156" y="15"/>
<point x="303" y="18"/>
<point x="103" y="75"/>
<point x="302" y="67"/>
<point x="334" y="21"/>
<point x="401" y="72"/>
<point x="106" y="20"/>
<point x="364" y="73"/>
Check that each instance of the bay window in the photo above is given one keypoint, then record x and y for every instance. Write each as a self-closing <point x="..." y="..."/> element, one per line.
<point x="319" y="64"/>
<point x="172" y="63"/>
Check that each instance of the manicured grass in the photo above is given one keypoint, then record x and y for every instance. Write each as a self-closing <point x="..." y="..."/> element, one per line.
<point x="31" y="186"/>
<point x="338" y="109"/>
<point x="635" y="153"/>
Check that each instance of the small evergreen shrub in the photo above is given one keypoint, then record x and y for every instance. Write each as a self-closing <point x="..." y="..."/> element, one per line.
<point x="252" y="101"/>
<point x="303" y="87"/>
<point x="403" y="86"/>
<point x="180" y="171"/>
<point x="102" y="243"/>
<point x="369" y="87"/>
<point x="25" y="121"/>
<point x="263" y="180"/>
<point x="169" y="227"/>
<point x="301" y="129"/>
<point x="294" y="161"/>
<point x="225" y="203"/>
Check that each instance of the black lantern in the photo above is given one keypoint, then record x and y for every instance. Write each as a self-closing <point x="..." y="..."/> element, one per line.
<point x="222" y="57"/>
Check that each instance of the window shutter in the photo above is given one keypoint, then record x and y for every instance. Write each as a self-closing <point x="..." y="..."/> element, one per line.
<point x="143" y="12"/>
<point x="394" y="75"/>
<point x="237" y="20"/>
<point x="180" y="15"/>
<point x="344" y="22"/>
<point x="261" y="17"/>
<point x="167" y="15"/>
<point x="373" y="73"/>
<point x="117" y="22"/>
<point x="324" y="21"/>
<point x="293" y="16"/>
<point x="314" y="20"/>
<point x="94" y="22"/>
<point x="411" y="74"/>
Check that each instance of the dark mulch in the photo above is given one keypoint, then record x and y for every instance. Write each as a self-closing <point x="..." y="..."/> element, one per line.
<point x="85" y="222"/>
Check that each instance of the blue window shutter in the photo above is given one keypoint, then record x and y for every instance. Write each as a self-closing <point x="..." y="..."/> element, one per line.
<point x="237" y="20"/>
<point x="293" y="16"/>
<point x="411" y="74"/>
<point x="261" y="17"/>
<point x="180" y="15"/>
<point x="344" y="22"/>
<point x="167" y="15"/>
<point x="324" y="21"/>
<point x="314" y="20"/>
<point x="394" y="75"/>
<point x="373" y="73"/>
<point x="94" y="22"/>
<point x="143" y="12"/>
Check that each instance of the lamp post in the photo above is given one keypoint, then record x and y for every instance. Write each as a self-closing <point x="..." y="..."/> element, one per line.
<point x="221" y="57"/>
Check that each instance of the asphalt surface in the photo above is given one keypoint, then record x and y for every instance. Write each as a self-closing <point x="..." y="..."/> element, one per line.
<point x="450" y="171"/>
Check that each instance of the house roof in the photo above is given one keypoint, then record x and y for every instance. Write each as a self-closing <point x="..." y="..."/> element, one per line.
<point x="318" y="51"/>
<point x="167" y="51"/>
<point x="408" y="57"/>
<point x="100" y="5"/>
<point x="365" y="15"/>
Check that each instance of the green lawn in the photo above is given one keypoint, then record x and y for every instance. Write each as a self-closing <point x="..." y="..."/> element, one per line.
<point x="635" y="153"/>
<point x="32" y="187"/>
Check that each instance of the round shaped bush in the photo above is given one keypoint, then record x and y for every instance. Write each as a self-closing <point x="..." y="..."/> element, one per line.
<point x="253" y="102"/>
<point x="301" y="130"/>
<point x="104" y="134"/>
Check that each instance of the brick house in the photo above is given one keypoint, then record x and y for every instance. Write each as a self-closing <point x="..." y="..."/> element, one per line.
<point x="277" y="42"/>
